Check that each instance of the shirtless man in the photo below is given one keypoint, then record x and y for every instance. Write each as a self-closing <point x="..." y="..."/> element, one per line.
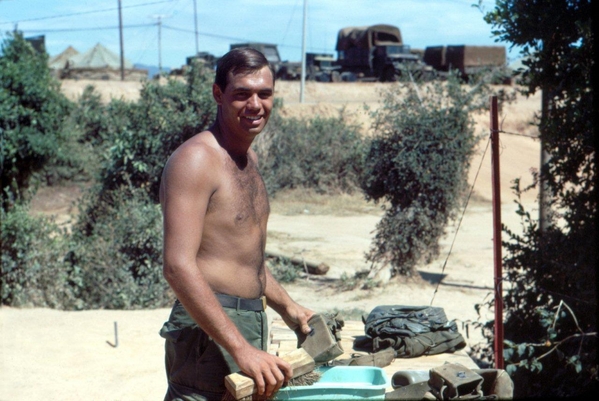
<point x="215" y="211"/>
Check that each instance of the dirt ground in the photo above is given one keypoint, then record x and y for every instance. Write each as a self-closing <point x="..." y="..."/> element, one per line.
<point x="57" y="355"/>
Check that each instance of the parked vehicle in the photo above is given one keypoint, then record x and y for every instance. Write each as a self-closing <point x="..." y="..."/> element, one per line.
<point x="284" y="70"/>
<point x="375" y="52"/>
<point x="321" y="67"/>
<point x="468" y="60"/>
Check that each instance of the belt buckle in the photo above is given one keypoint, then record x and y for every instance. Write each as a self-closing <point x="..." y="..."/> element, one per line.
<point x="263" y="298"/>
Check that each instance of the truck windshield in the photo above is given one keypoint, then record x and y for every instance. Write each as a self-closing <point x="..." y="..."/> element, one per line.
<point x="403" y="49"/>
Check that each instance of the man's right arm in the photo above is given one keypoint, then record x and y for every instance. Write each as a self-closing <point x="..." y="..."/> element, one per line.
<point x="188" y="182"/>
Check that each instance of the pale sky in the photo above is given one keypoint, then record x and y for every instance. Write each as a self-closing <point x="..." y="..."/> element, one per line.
<point x="84" y="23"/>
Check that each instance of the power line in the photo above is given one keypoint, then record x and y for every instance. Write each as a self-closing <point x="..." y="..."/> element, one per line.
<point x="85" y="12"/>
<point x="223" y="36"/>
<point x="86" y="29"/>
<point x="203" y="33"/>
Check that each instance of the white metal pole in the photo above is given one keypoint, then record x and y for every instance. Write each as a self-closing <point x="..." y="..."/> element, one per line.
<point x="195" y="13"/>
<point x="160" y="45"/>
<point x="121" y="42"/>
<point x="303" y="77"/>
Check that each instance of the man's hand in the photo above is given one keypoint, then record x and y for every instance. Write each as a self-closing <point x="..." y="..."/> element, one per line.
<point x="296" y="317"/>
<point x="268" y="371"/>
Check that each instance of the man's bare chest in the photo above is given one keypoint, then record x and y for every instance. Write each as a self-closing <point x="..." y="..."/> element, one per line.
<point x="241" y="197"/>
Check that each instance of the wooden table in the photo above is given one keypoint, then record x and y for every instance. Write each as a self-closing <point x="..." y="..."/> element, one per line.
<point x="283" y="340"/>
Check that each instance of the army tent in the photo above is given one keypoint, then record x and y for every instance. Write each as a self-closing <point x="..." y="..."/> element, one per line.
<point x="98" y="57"/>
<point x="59" y="61"/>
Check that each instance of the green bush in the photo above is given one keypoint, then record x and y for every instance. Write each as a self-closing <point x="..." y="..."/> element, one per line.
<point x="417" y="168"/>
<point x="164" y="117"/>
<point x="284" y="271"/>
<point x="32" y="114"/>
<point x="324" y="154"/>
<point x="34" y="272"/>
<point x="136" y="139"/>
<point x="120" y="258"/>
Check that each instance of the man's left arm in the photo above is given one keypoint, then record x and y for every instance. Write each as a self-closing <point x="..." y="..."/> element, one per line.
<point x="293" y="314"/>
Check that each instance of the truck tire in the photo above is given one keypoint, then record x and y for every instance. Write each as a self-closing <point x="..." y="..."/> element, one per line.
<point x="390" y="75"/>
<point x="323" y="77"/>
<point x="348" y="77"/>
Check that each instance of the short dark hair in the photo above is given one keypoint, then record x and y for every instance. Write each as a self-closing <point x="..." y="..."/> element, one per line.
<point x="241" y="60"/>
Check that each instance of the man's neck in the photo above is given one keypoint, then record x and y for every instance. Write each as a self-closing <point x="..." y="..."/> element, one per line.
<point x="237" y="150"/>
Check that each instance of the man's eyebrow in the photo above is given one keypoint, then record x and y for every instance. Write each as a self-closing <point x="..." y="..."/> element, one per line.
<point x="261" y="90"/>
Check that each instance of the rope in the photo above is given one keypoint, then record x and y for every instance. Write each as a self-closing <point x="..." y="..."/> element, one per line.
<point x="460" y="221"/>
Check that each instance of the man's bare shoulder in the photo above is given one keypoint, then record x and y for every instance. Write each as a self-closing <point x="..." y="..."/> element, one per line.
<point x="194" y="164"/>
<point x="197" y="153"/>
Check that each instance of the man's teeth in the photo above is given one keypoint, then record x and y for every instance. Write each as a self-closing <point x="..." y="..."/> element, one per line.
<point x="253" y="118"/>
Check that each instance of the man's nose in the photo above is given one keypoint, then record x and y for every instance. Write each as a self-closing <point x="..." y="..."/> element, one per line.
<point x="254" y="102"/>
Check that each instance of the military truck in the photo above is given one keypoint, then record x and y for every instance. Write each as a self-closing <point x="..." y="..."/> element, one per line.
<point x="284" y="70"/>
<point x="467" y="59"/>
<point x="321" y="67"/>
<point x="375" y="52"/>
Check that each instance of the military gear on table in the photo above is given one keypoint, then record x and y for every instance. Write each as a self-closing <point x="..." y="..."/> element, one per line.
<point x="323" y="343"/>
<point x="453" y="381"/>
<point x="411" y="331"/>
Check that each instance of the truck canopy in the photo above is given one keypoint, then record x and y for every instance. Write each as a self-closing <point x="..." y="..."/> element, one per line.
<point x="367" y="37"/>
<point x="269" y="50"/>
<point x="463" y="57"/>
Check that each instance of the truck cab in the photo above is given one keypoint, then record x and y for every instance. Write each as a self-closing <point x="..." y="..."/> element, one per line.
<point x="374" y="52"/>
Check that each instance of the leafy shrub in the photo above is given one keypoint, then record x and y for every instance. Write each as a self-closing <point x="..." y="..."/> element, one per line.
<point x="120" y="258"/>
<point x="164" y="117"/>
<point x="32" y="113"/>
<point x="137" y="138"/>
<point x="284" y="271"/>
<point x="417" y="168"/>
<point x="33" y="269"/>
<point x="324" y="154"/>
<point x="550" y="308"/>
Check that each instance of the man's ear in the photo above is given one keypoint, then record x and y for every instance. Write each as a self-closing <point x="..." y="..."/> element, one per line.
<point x="217" y="94"/>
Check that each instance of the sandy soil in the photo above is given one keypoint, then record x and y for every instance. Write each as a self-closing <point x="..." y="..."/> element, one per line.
<point x="57" y="355"/>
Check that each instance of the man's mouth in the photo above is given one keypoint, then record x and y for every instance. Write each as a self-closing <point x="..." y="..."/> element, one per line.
<point x="253" y="120"/>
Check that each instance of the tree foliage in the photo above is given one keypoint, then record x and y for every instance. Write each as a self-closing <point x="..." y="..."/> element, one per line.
<point x="551" y="304"/>
<point x="33" y="269"/>
<point x="417" y="167"/>
<point x="32" y="114"/>
<point x="320" y="153"/>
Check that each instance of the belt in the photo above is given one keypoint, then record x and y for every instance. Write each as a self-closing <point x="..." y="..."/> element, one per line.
<point x="229" y="301"/>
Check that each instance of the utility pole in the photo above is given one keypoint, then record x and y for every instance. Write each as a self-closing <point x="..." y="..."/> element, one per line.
<point x="159" y="23"/>
<point x="121" y="42"/>
<point x="195" y="13"/>
<point x="303" y="77"/>
<point x="497" y="279"/>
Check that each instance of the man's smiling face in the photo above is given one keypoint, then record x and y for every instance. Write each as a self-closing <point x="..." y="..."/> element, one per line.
<point x="246" y="102"/>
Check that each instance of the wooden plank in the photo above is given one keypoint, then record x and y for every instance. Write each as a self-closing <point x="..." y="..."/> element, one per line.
<point x="280" y="335"/>
<point x="286" y="347"/>
<point x="240" y="385"/>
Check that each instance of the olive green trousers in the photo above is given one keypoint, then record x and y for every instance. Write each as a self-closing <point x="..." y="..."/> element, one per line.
<point x="196" y="366"/>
